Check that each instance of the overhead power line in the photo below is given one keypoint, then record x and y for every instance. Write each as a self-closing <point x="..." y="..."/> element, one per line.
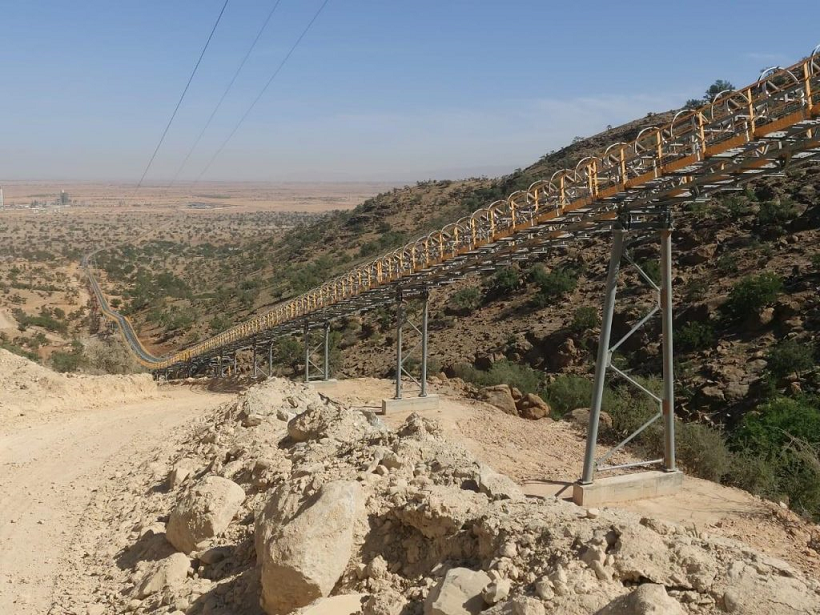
<point x="262" y="92"/>
<point x="179" y="102"/>
<point x="225" y="93"/>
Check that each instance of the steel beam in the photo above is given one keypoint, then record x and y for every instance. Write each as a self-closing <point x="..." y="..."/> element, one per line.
<point x="604" y="355"/>
<point x="402" y="323"/>
<point x="666" y="403"/>
<point x="667" y="349"/>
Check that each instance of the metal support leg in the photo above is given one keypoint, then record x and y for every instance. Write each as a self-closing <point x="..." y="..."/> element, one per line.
<point x="399" y="324"/>
<point x="234" y="364"/>
<point x="603" y="354"/>
<point x="307" y="352"/>
<point x="326" y="375"/>
<point x="270" y="359"/>
<point x="219" y="366"/>
<point x="255" y="372"/>
<point x="668" y="405"/>
<point x="424" y="318"/>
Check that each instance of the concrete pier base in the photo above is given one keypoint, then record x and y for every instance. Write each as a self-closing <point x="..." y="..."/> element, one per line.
<point x="430" y="402"/>
<point x="639" y="486"/>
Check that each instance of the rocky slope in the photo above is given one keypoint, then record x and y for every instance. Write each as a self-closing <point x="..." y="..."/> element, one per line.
<point x="285" y="500"/>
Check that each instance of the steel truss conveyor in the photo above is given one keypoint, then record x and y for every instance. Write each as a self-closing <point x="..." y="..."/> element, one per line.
<point x="740" y="135"/>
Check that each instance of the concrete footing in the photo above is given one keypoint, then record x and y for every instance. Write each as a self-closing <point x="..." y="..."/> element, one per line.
<point x="323" y="385"/>
<point x="638" y="486"/>
<point x="430" y="402"/>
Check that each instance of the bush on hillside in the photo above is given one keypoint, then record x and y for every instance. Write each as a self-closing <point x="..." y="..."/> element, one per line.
<point x="503" y="282"/>
<point x="585" y="318"/>
<point x="466" y="300"/>
<point x="752" y="293"/>
<point x="789" y="357"/>
<point x="774" y="215"/>
<point x="695" y="335"/>
<point x="566" y="393"/>
<point x="522" y="377"/>
<point x="552" y="285"/>
<point x="785" y="434"/>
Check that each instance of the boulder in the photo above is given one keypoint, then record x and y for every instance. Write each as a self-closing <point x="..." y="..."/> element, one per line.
<point x="303" y="556"/>
<point x="170" y="573"/>
<point x="520" y="605"/>
<point x="345" y="604"/>
<point x="647" y="599"/>
<point x="580" y="416"/>
<point x="203" y="512"/>
<point x="458" y="593"/>
<point x="501" y="397"/>
<point x="387" y="602"/>
<point x="496" y="486"/>
<point x="182" y="469"/>
<point x="496" y="591"/>
<point x="532" y="407"/>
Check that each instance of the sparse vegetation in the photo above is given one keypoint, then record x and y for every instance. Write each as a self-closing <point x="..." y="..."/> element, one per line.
<point x="752" y="293"/>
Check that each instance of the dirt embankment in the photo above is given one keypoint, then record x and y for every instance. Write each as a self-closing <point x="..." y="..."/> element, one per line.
<point x="28" y="390"/>
<point x="283" y="500"/>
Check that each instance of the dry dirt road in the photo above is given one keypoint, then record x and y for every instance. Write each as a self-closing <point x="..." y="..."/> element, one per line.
<point x="48" y="473"/>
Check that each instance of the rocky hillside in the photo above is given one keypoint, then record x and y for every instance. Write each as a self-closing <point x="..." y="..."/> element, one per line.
<point x="747" y="313"/>
<point x="283" y="500"/>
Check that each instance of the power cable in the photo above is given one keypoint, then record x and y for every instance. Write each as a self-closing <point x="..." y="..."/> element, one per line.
<point x="225" y="93"/>
<point x="264" y="89"/>
<point x="179" y="102"/>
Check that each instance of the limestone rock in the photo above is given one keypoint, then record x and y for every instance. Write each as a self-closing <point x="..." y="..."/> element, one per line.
<point x="647" y="599"/>
<point x="182" y="469"/>
<point x="501" y="397"/>
<point x="580" y="416"/>
<point x="203" y="512"/>
<point x="497" y="486"/>
<point x="170" y="572"/>
<point x="303" y="557"/>
<point x="458" y="593"/>
<point x="389" y="602"/>
<point x="532" y="407"/>
<point x="520" y="605"/>
<point x="497" y="591"/>
<point x="345" y="604"/>
<point x="767" y="588"/>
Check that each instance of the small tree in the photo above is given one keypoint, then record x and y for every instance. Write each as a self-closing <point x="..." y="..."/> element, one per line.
<point x="716" y="88"/>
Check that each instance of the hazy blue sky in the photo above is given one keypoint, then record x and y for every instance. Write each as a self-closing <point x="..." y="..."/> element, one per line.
<point x="378" y="89"/>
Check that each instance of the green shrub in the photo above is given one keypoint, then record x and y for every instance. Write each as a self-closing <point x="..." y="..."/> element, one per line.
<point x="466" y="300"/>
<point x="727" y="263"/>
<point x="789" y="357"/>
<point x="503" y="282"/>
<point x="774" y="215"/>
<point x="736" y="206"/>
<point x="702" y="451"/>
<point x="566" y="393"/>
<point x="551" y="285"/>
<point x="70" y="361"/>
<point x="752" y="293"/>
<point x="584" y="318"/>
<point x="785" y="434"/>
<point x="652" y="268"/>
<point x="696" y="289"/>
<point x="522" y="377"/>
<point x="815" y="261"/>
<point x="695" y="335"/>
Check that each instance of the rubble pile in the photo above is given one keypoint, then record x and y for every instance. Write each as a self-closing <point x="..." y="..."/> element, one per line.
<point x="286" y="502"/>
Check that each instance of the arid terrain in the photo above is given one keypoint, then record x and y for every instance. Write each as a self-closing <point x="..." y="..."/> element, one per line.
<point x="43" y="296"/>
